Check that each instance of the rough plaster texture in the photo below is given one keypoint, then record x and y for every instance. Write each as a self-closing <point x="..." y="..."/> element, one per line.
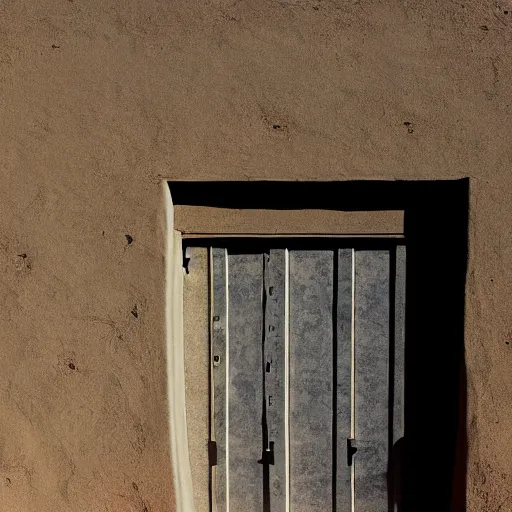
<point x="101" y="99"/>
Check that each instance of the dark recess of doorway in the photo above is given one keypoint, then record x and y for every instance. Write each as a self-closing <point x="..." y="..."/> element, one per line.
<point x="436" y="225"/>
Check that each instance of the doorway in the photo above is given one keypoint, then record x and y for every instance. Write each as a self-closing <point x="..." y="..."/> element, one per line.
<point x="307" y="374"/>
<point x="435" y="215"/>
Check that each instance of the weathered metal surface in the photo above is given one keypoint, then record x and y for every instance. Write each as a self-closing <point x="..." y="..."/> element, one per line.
<point x="274" y="377"/>
<point x="398" y="398"/>
<point x="343" y="342"/>
<point x="346" y="370"/>
<point x="219" y="339"/>
<point x="245" y="383"/>
<point x="399" y="346"/>
<point x="311" y="380"/>
<point x="371" y="380"/>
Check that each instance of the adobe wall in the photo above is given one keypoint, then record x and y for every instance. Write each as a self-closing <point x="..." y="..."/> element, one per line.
<point x="100" y="100"/>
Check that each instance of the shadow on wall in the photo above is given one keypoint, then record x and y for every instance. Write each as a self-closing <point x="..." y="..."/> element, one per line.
<point x="427" y="470"/>
<point x="436" y="230"/>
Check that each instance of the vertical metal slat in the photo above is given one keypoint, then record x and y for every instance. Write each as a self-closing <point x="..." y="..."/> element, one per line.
<point x="274" y="376"/>
<point x="399" y="363"/>
<point x="311" y="372"/>
<point x="343" y="378"/>
<point x="397" y="452"/>
<point x="245" y="381"/>
<point x="371" y="380"/>
<point x="219" y="363"/>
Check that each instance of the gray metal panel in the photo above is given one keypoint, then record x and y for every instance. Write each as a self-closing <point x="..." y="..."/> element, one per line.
<point x="218" y="307"/>
<point x="311" y="379"/>
<point x="245" y="381"/>
<point x="256" y="408"/>
<point x="399" y="363"/>
<point x="273" y="374"/>
<point x="399" y="377"/>
<point x="371" y="380"/>
<point x="343" y="379"/>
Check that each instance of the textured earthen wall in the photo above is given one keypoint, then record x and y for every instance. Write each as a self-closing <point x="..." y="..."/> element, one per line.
<point x="101" y="99"/>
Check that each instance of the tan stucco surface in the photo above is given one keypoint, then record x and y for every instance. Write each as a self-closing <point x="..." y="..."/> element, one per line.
<point x="196" y="330"/>
<point x="197" y="220"/>
<point x="100" y="100"/>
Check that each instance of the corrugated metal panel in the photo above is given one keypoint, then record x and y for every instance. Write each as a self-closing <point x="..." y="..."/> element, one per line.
<point x="307" y="349"/>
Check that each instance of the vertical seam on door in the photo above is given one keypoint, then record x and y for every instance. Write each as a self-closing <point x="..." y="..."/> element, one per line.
<point x="227" y="378"/>
<point x="353" y="377"/>
<point x="287" y="376"/>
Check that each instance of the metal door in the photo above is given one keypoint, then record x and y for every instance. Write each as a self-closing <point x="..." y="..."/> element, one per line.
<point x="307" y="351"/>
